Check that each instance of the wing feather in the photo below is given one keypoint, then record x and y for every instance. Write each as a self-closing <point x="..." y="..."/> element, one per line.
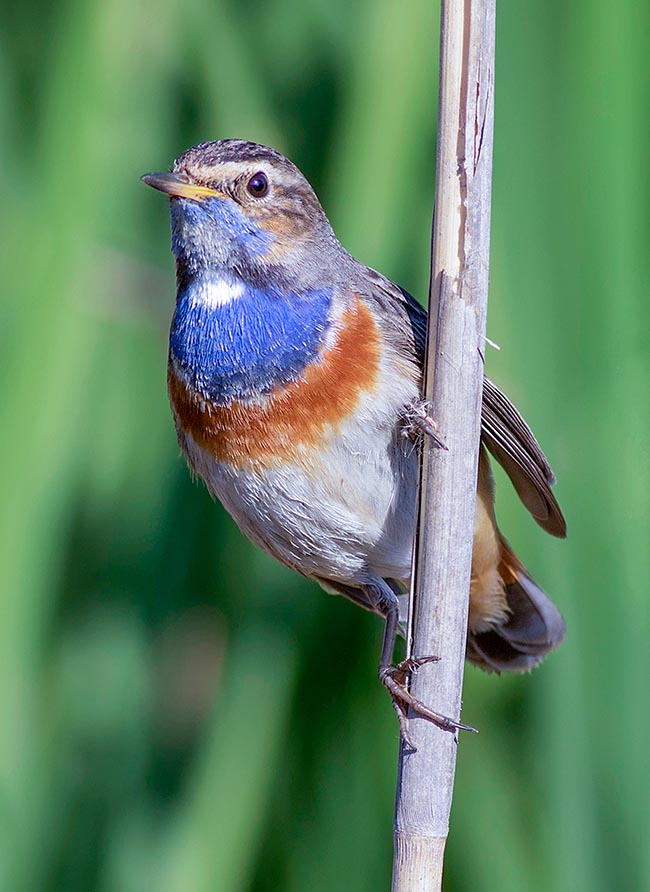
<point x="504" y="431"/>
<point x="513" y="444"/>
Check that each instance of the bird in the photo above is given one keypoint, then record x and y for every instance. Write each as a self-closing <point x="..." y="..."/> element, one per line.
<point x="295" y="376"/>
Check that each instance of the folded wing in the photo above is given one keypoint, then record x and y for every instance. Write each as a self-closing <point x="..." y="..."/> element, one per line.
<point x="513" y="444"/>
<point x="504" y="431"/>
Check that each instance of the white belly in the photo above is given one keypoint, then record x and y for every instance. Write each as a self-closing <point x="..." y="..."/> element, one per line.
<point x="342" y="512"/>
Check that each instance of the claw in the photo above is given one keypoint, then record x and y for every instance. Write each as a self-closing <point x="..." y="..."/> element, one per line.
<point x="383" y="598"/>
<point x="400" y="671"/>
<point x="393" y="678"/>
<point x="418" y="422"/>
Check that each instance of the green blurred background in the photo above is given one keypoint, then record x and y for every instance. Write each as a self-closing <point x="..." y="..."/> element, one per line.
<point x="167" y="713"/>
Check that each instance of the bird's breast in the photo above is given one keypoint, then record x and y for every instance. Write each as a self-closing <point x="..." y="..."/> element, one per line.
<point x="266" y="428"/>
<point x="230" y="340"/>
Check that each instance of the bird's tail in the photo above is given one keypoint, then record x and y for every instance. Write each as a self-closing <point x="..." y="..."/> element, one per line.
<point x="533" y="627"/>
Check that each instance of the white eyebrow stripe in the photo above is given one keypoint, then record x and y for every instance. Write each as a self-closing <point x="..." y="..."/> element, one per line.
<point x="216" y="294"/>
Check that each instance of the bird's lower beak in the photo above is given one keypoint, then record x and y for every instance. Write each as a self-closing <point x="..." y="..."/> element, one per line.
<point x="177" y="186"/>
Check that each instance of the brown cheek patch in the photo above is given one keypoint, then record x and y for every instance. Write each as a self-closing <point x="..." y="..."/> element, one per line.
<point x="300" y="414"/>
<point x="285" y="227"/>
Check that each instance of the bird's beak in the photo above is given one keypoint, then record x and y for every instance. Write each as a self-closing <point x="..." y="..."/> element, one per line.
<point x="177" y="186"/>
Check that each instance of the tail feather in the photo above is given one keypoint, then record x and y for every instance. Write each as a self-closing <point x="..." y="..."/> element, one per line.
<point x="533" y="628"/>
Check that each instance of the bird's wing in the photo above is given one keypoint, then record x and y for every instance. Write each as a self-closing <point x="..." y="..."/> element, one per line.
<point x="504" y="431"/>
<point x="513" y="444"/>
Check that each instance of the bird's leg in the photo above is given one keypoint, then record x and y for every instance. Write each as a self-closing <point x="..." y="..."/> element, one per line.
<point x="393" y="677"/>
<point x="419" y="423"/>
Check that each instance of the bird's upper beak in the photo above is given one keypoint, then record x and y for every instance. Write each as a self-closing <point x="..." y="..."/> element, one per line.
<point x="177" y="186"/>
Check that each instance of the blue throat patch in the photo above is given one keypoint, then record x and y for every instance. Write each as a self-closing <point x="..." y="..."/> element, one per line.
<point x="224" y="220"/>
<point x="248" y="346"/>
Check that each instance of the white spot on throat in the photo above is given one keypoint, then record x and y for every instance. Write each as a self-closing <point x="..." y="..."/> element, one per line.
<point x="216" y="294"/>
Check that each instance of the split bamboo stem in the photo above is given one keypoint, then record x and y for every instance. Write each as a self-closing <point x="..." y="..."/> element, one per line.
<point x="453" y="387"/>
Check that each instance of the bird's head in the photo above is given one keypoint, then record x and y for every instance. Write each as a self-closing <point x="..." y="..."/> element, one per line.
<point x="244" y="209"/>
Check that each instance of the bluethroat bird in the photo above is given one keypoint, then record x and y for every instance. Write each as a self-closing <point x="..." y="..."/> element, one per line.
<point x="294" y="378"/>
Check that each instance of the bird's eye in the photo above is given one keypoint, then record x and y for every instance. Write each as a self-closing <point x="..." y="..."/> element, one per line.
<point x="258" y="185"/>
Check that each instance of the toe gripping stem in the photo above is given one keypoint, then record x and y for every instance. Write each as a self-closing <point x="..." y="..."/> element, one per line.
<point x="419" y="423"/>
<point x="393" y="677"/>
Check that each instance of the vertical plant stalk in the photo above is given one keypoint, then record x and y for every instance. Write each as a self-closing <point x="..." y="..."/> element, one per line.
<point x="453" y="386"/>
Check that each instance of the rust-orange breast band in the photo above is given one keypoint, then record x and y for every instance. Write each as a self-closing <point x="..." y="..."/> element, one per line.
<point x="296" y="415"/>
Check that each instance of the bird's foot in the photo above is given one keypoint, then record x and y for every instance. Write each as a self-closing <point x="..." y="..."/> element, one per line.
<point x="419" y="423"/>
<point x="393" y="679"/>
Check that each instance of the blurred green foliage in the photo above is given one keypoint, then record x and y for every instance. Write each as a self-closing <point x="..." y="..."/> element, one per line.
<point x="177" y="712"/>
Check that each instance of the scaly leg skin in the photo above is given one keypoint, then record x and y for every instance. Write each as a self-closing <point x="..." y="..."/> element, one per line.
<point x="393" y="677"/>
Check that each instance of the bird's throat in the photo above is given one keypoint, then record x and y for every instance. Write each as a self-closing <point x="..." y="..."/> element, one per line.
<point x="230" y="340"/>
